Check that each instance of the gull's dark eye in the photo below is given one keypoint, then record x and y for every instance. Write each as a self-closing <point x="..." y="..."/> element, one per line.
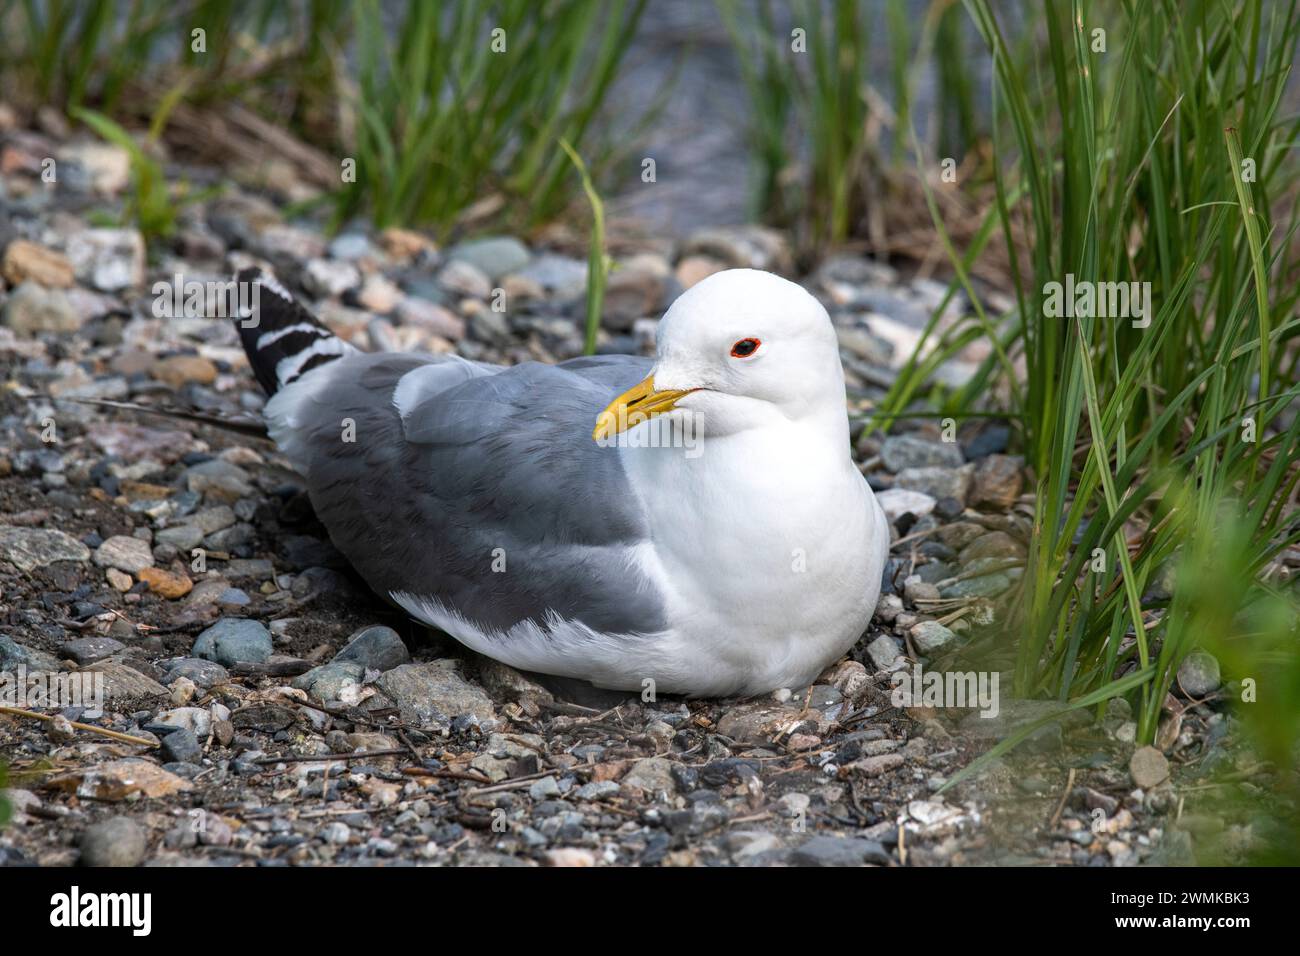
<point x="745" y="348"/>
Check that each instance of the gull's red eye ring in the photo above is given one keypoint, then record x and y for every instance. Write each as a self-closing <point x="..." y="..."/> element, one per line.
<point x="745" y="348"/>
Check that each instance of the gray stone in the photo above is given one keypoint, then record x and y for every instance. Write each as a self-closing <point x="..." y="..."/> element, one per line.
<point x="212" y="519"/>
<point x="182" y="537"/>
<point x="462" y="278"/>
<point x="931" y="636"/>
<point x="557" y="274"/>
<point x="125" y="685"/>
<point x="234" y="641"/>
<point x="654" y="775"/>
<point x="1148" y="767"/>
<point x="118" y="841"/>
<point x="901" y="452"/>
<point x="181" y="746"/>
<point x="995" y="544"/>
<point x="28" y="548"/>
<point x="32" y="309"/>
<point x="494" y="256"/>
<point x="433" y="692"/>
<point x="884" y="652"/>
<point x="220" y="479"/>
<point x="919" y="590"/>
<point x="430" y="317"/>
<point x="935" y="481"/>
<point x="196" y="720"/>
<point x="13" y="654"/>
<point x="1199" y="675"/>
<point x="205" y="674"/>
<point x="597" y="790"/>
<point x="87" y="650"/>
<point x="131" y="555"/>
<point x="997" y="482"/>
<point x="544" y="789"/>
<point x="986" y="585"/>
<point x="896" y="502"/>
<point x="376" y="648"/>
<point x="742" y="247"/>
<point x="350" y="246"/>
<point x="839" y="851"/>
<point x="108" y="259"/>
<point x="329" y="681"/>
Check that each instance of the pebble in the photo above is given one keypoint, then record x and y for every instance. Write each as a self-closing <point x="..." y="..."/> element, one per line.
<point x="569" y="856"/>
<point x="350" y="246"/>
<point x="743" y="247"/>
<point x="435" y="691"/>
<point x="183" y="537"/>
<point x="25" y="260"/>
<point x="119" y="581"/>
<point x="29" y="548"/>
<point x="31" y="309"/>
<point x="203" y="673"/>
<point x="118" y="841"/>
<point x="1148" y="767"/>
<point x="996" y="482"/>
<point x="995" y="544"/>
<point x="167" y="584"/>
<point x="652" y="775"/>
<point x="378" y="295"/>
<point x="430" y="317"/>
<point x="332" y="681"/>
<point x="60" y="730"/>
<point x="494" y="256"/>
<point x="1199" y="675"/>
<point x="839" y="851"/>
<point x="376" y="648"/>
<point x="87" y="650"/>
<point x="901" y="452"/>
<point x="125" y="554"/>
<point x="896" y="502"/>
<point x="181" y="746"/>
<point x="124" y="684"/>
<point x="179" y="370"/>
<point x="597" y="790"/>
<point x="463" y="278"/>
<point x="930" y="637"/>
<point x="234" y="641"/>
<point x="914" y="589"/>
<point x="109" y="260"/>
<point x="696" y="268"/>
<point x="884" y="652"/>
<point x="219" y="480"/>
<point x="937" y="482"/>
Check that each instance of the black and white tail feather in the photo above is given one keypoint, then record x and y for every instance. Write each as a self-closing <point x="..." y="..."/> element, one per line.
<point x="286" y="341"/>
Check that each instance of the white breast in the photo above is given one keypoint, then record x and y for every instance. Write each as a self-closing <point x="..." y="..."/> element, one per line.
<point x="770" y="548"/>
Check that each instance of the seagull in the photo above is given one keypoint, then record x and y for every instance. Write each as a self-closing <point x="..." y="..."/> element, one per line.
<point x="693" y="524"/>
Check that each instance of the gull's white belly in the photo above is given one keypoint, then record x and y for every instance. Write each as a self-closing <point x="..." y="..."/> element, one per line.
<point x="771" y="569"/>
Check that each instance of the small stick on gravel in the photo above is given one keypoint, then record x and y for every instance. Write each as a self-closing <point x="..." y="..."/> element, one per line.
<point x="1060" y="807"/>
<point x="89" y="728"/>
<point x="516" y="782"/>
<point x="359" y="755"/>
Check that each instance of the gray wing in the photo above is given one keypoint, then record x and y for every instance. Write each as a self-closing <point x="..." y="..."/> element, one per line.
<point x="453" y="460"/>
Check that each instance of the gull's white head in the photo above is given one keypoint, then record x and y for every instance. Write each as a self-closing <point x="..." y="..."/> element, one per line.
<point x="741" y="349"/>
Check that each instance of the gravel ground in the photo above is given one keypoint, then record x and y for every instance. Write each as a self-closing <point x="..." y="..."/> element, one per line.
<point x="282" y="714"/>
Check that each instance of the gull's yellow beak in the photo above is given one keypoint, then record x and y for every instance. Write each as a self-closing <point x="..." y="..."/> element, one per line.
<point x="638" y="404"/>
